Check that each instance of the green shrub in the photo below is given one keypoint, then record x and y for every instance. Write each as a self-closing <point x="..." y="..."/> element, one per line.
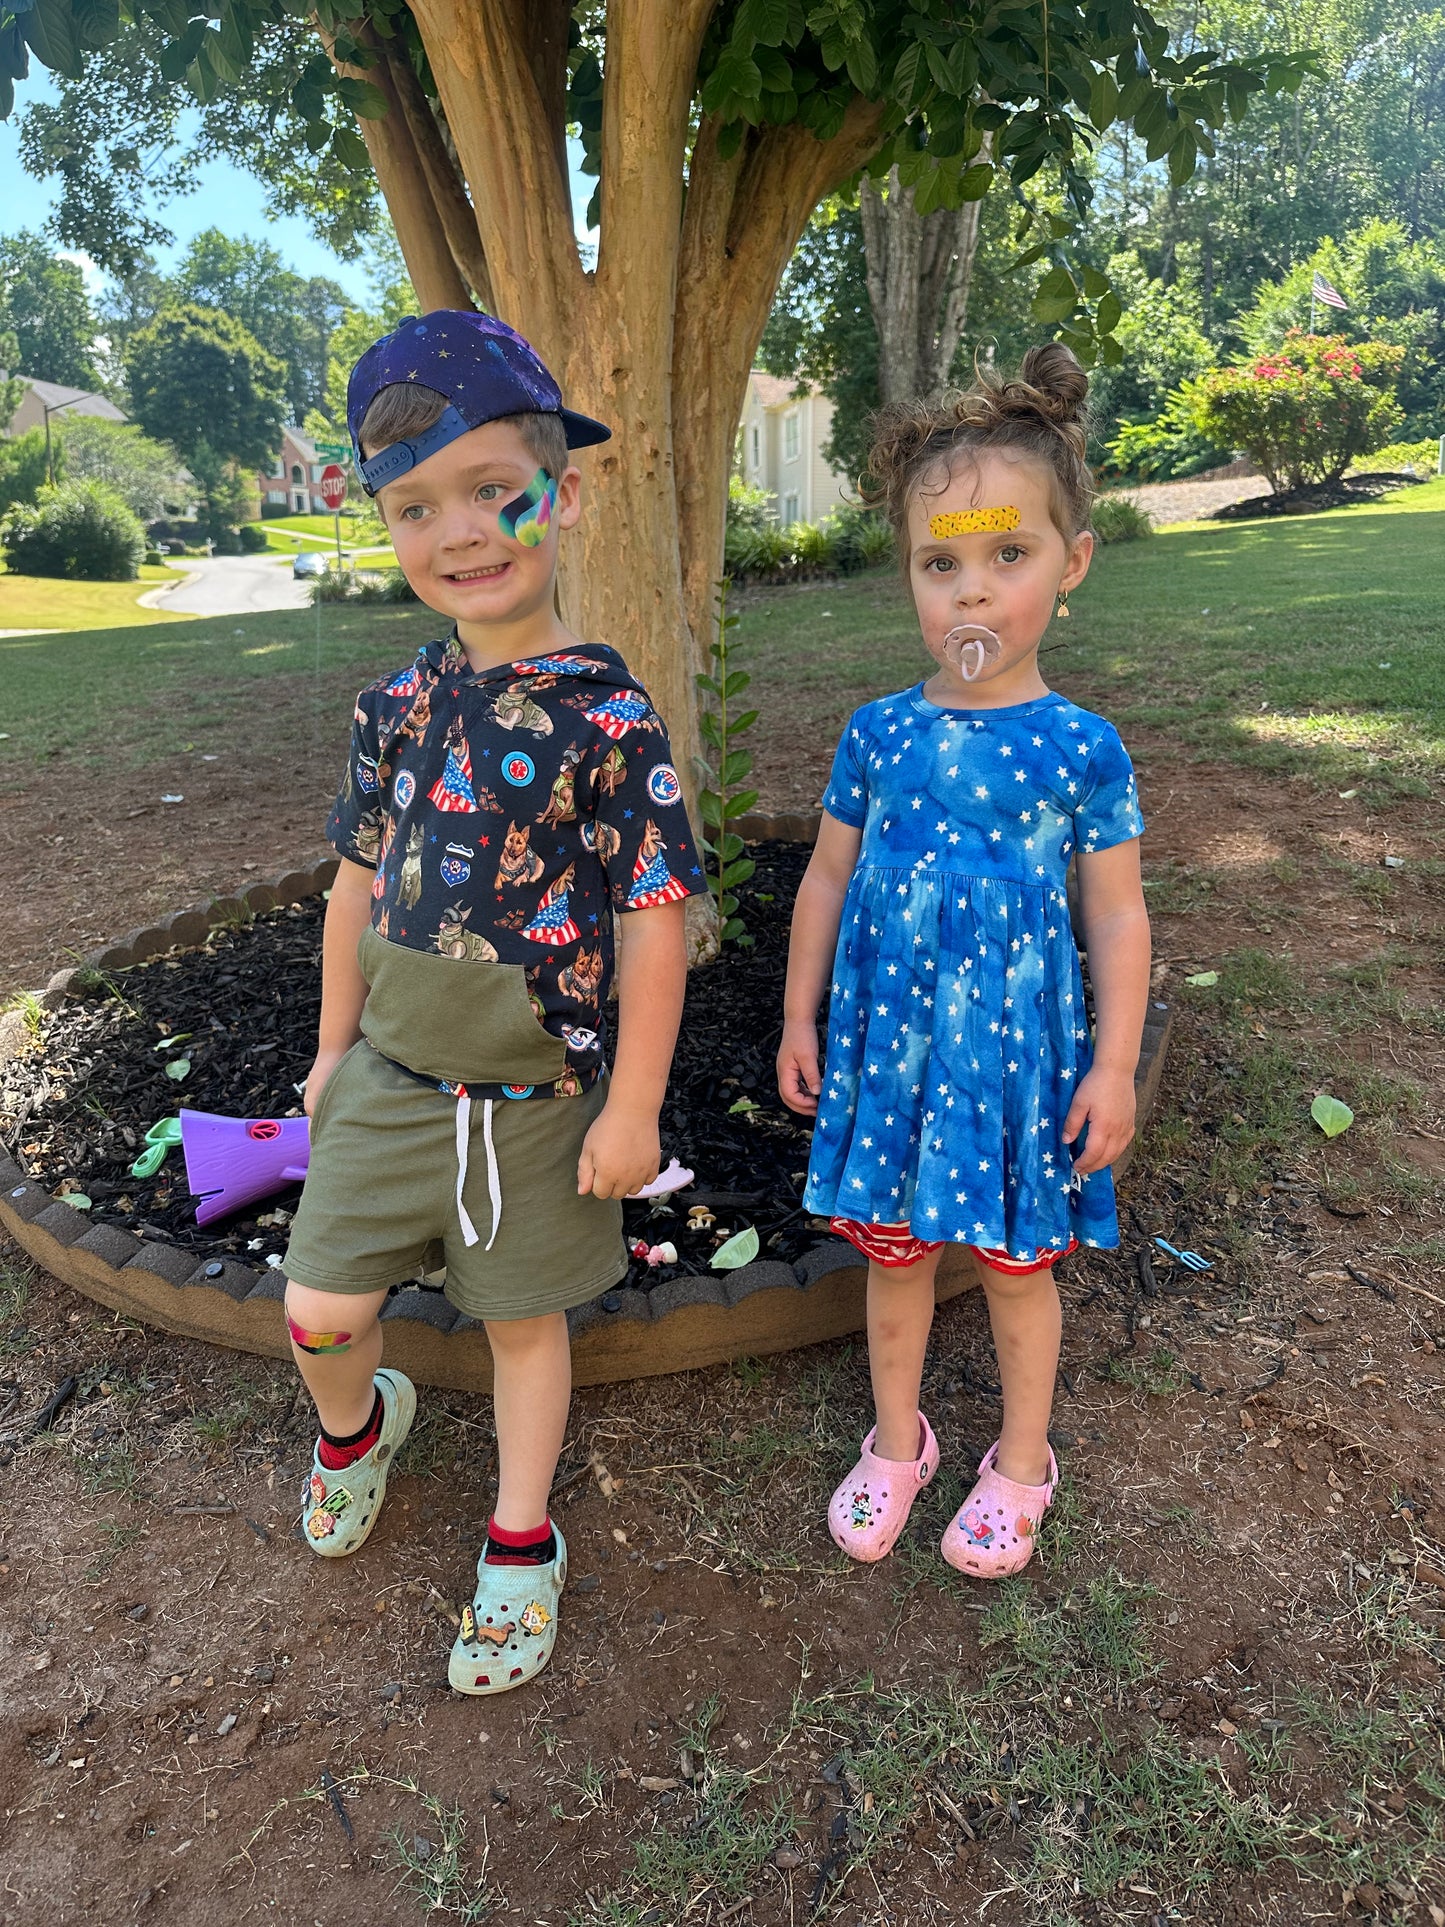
<point x="1399" y="458"/>
<point x="812" y="545"/>
<point x="254" y="541"/>
<point x="79" y="530"/>
<point x="153" y="558"/>
<point x="345" y="585"/>
<point x="1165" y="449"/>
<point x="226" y="541"/>
<point x="1306" y="411"/>
<point x="22" y="467"/>
<point x="860" y="538"/>
<point x="1117" y="519"/>
<point x="749" y="508"/>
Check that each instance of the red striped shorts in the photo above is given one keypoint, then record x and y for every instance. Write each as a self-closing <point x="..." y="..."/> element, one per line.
<point x="894" y="1245"/>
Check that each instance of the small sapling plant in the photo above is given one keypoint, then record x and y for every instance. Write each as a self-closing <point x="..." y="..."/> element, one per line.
<point x="721" y="801"/>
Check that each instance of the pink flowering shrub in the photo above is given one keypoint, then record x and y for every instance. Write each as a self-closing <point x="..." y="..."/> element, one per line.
<point x="1305" y="411"/>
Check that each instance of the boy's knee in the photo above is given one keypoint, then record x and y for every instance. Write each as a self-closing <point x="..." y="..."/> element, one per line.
<point x="329" y="1321"/>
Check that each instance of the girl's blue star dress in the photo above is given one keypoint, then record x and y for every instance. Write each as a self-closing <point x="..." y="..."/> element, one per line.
<point x="957" y="1033"/>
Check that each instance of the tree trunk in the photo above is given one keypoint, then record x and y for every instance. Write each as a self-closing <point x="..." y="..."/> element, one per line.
<point x="658" y="339"/>
<point x="920" y="267"/>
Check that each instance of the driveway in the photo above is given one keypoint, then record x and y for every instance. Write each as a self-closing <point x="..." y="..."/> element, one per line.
<point x="233" y="585"/>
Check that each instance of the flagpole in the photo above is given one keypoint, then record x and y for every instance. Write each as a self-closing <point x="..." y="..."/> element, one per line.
<point x="1312" y="306"/>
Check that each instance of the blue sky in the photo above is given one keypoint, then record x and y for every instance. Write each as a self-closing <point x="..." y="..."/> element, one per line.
<point x="227" y="198"/>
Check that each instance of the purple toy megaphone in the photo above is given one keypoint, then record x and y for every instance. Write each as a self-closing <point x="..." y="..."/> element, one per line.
<point x="232" y="1161"/>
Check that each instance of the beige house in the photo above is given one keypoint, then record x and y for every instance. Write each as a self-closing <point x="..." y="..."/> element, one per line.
<point x="42" y="399"/>
<point x="780" y="448"/>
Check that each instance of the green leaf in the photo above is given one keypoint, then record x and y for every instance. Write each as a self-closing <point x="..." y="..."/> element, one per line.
<point x="709" y="808"/>
<point x="711" y="728"/>
<point x="181" y="1037"/>
<point x="178" y="1069"/>
<point x="739" y="1250"/>
<point x="1110" y="313"/>
<point x="1111" y="351"/>
<point x="1103" y="100"/>
<point x="738" y="872"/>
<point x="1330" y="1113"/>
<point x="743" y="1106"/>
<point x="77" y="1200"/>
<point x="1055" y="296"/>
<point x="1095" y="283"/>
<point x="1203" y="979"/>
<point x="740" y="804"/>
<point x="737" y="682"/>
<point x="737" y="724"/>
<point x="976" y="182"/>
<point x="736" y="765"/>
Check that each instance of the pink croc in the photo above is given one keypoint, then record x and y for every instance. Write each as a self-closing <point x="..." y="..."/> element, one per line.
<point x="871" y="1506"/>
<point x="993" y="1534"/>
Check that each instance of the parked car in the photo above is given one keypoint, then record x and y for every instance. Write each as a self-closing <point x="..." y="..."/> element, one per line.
<point x="308" y="563"/>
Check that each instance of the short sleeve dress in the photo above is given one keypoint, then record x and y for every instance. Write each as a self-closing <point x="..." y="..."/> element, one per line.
<point x="957" y="1031"/>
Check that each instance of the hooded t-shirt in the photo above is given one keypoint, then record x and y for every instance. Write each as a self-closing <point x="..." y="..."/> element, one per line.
<point x="507" y="813"/>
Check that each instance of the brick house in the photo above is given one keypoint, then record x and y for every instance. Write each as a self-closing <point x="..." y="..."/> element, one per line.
<point x="292" y="484"/>
<point x="780" y="449"/>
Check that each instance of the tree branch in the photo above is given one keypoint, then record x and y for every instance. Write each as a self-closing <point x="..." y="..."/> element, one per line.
<point x="448" y="191"/>
<point x="541" y="29"/>
<point x="404" y="182"/>
<point x="508" y="152"/>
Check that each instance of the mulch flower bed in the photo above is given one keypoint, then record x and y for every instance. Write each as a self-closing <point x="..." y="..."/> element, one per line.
<point x="242" y="1014"/>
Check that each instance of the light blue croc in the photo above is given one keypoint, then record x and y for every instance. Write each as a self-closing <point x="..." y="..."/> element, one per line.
<point x="510" y="1626"/>
<point x="338" y="1509"/>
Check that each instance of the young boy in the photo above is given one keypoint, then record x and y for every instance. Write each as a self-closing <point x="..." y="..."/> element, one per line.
<point x="506" y="793"/>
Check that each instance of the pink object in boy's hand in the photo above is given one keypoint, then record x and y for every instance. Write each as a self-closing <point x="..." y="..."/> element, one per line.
<point x="970" y="647"/>
<point x="672" y="1179"/>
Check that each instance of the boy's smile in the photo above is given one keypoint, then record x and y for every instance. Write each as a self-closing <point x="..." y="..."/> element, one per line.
<point x="471" y="538"/>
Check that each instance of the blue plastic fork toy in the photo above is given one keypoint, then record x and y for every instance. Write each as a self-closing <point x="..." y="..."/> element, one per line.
<point x="1191" y="1260"/>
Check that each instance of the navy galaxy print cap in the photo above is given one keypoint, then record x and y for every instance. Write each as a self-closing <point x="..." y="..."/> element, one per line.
<point x="483" y="366"/>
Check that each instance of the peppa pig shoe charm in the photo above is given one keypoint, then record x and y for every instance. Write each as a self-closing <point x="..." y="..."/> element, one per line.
<point x="871" y="1506"/>
<point x="993" y="1533"/>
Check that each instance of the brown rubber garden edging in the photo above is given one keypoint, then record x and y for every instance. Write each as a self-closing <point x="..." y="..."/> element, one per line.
<point x="764" y="1307"/>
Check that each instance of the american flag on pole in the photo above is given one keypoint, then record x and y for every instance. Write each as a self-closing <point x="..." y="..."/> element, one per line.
<point x="1326" y="292"/>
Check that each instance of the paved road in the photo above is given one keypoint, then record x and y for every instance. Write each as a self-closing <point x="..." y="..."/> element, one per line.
<point x="234" y="585"/>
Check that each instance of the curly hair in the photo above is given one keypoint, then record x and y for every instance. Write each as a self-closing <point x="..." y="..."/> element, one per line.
<point x="1040" y="414"/>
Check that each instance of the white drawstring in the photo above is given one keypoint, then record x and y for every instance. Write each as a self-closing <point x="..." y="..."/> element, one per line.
<point x="470" y="1234"/>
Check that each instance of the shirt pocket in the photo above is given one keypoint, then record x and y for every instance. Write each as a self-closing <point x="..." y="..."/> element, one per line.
<point x="454" y="1019"/>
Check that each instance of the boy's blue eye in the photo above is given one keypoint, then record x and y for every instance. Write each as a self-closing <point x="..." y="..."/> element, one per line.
<point x="412" y="511"/>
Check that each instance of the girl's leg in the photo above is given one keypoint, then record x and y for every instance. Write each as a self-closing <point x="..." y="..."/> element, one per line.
<point x="1026" y="1320"/>
<point x="532" y="1389"/>
<point x="339" y="1353"/>
<point x="900" y="1317"/>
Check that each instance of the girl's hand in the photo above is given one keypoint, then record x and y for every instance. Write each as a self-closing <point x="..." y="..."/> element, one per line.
<point x="1105" y="1102"/>
<point x="799" y="1078"/>
<point x="620" y="1153"/>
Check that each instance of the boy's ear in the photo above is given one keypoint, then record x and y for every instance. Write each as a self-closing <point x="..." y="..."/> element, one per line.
<point x="569" y="497"/>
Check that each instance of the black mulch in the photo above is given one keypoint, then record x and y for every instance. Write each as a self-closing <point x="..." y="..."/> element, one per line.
<point x="244" y="1010"/>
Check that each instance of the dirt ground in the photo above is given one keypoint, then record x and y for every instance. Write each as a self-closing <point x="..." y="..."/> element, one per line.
<point x="1215" y="1699"/>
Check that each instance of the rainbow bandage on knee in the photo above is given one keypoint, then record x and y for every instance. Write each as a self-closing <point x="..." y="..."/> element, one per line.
<point x="969" y="521"/>
<point x="318" y="1343"/>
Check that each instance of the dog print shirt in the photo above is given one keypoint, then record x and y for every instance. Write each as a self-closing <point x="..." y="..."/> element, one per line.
<point x="508" y="813"/>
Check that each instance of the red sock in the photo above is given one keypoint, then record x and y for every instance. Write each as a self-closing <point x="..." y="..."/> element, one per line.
<point x="537" y="1546"/>
<point x="335" y="1454"/>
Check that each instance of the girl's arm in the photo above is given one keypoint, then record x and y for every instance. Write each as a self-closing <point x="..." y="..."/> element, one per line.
<point x="814" y="939"/>
<point x="1116" y="935"/>
<point x="343" y="988"/>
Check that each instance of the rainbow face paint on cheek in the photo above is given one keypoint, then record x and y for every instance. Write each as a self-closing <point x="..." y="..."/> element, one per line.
<point x="972" y="521"/>
<point x="528" y="516"/>
<point x="317" y="1343"/>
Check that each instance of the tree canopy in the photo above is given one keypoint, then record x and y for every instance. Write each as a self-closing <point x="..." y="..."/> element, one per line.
<point x="44" y="304"/>
<point x="201" y="381"/>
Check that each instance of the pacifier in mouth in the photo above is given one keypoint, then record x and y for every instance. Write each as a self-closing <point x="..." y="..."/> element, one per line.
<point x="969" y="648"/>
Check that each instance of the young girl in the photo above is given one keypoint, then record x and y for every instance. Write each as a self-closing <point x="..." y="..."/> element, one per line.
<point x="963" y="1101"/>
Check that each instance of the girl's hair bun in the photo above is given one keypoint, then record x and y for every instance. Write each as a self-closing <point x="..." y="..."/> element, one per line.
<point x="1041" y="413"/>
<point x="1054" y="382"/>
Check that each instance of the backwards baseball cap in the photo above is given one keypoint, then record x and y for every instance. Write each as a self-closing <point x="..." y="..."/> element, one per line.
<point x="482" y="366"/>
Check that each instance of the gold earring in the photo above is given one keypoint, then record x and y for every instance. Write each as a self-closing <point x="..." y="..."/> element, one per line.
<point x="1063" y="608"/>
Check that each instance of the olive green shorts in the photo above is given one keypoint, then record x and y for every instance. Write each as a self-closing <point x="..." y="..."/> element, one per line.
<point x="381" y="1191"/>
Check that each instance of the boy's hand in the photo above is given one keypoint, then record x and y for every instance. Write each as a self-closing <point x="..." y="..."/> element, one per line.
<point x="1105" y="1102"/>
<point x="799" y="1078"/>
<point x="316" y="1077"/>
<point x="621" y="1153"/>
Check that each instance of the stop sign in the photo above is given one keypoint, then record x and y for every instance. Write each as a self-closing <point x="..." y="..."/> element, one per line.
<point x="333" y="485"/>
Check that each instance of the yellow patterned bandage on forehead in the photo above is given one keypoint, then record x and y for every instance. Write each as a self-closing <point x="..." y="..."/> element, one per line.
<point x="973" y="521"/>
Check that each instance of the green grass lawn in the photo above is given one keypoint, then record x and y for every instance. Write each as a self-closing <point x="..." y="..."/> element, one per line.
<point x="1312" y="643"/>
<point x="289" y="533"/>
<point x="1309" y="644"/>
<point x="41" y="602"/>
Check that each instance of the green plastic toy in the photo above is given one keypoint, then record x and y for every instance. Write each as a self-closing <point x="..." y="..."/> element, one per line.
<point x="159" y="1139"/>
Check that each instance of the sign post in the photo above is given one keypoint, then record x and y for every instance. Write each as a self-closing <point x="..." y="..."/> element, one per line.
<point x="333" y="494"/>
